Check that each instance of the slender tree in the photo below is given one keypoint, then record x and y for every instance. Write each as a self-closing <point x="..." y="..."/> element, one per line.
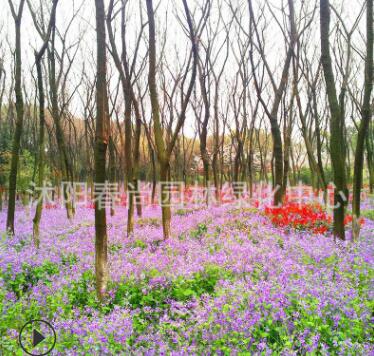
<point x="165" y="149"/>
<point x="2" y="90"/>
<point x="59" y="67"/>
<point x="17" y="17"/>
<point x="41" y="159"/>
<point x="101" y="144"/>
<point x="337" y="152"/>
<point x="278" y="94"/>
<point x="365" y="115"/>
<point x="370" y="155"/>
<point x="125" y="70"/>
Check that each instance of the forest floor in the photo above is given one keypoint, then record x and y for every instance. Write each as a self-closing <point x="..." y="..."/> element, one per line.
<point x="227" y="282"/>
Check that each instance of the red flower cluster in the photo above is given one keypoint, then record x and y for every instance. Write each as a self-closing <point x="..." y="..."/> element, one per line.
<point x="307" y="217"/>
<point x="50" y="206"/>
<point x="348" y="219"/>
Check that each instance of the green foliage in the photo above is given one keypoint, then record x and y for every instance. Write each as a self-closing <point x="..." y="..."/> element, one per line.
<point x="115" y="247"/>
<point x="238" y="224"/>
<point x="322" y="323"/>
<point x="139" y="244"/>
<point x="82" y="293"/>
<point x="138" y="294"/>
<point x="184" y="212"/>
<point x="310" y="317"/>
<point x="149" y="299"/>
<point x="69" y="259"/>
<point x="148" y="221"/>
<point x="201" y="283"/>
<point x="258" y="273"/>
<point x="199" y="231"/>
<point x="5" y="154"/>
<point x="26" y="170"/>
<point x="306" y="175"/>
<point x="369" y="214"/>
<point x="280" y="243"/>
<point x="29" y="277"/>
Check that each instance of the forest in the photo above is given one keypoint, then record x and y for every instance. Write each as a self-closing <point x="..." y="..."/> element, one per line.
<point x="186" y="177"/>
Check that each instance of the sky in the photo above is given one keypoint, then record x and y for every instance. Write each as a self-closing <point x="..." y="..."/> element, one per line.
<point x="169" y="16"/>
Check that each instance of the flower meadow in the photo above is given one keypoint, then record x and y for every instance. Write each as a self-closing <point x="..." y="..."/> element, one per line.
<point x="230" y="281"/>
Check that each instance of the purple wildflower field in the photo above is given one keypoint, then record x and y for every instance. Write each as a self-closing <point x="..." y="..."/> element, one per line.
<point x="226" y="283"/>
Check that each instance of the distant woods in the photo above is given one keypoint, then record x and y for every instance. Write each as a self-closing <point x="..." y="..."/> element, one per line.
<point x="208" y="91"/>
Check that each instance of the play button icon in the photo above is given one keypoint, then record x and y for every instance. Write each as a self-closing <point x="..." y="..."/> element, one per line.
<point x="37" y="337"/>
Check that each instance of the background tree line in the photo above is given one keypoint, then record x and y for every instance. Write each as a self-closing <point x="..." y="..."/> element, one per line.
<point x="215" y="91"/>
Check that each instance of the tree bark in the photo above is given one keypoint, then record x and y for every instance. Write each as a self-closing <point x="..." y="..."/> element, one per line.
<point x="365" y="112"/>
<point x="41" y="157"/>
<point x="56" y="115"/>
<point x="19" y="124"/>
<point x="112" y="170"/>
<point x="278" y="169"/>
<point x="365" y="121"/>
<point x="101" y="143"/>
<point x="369" y="157"/>
<point x="158" y="132"/>
<point x="336" y="122"/>
<point x="203" y="127"/>
<point x="164" y="150"/>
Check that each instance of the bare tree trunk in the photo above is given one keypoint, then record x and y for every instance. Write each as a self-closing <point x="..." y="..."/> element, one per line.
<point x="278" y="169"/>
<point x="336" y="122"/>
<point x="39" y="206"/>
<point x="154" y="173"/>
<point x="314" y="165"/>
<point x="215" y="157"/>
<point x="112" y="170"/>
<point x="2" y="80"/>
<point x="164" y="150"/>
<point x="158" y="132"/>
<point x="101" y="143"/>
<point x="131" y="149"/>
<point x="165" y="200"/>
<point x="250" y="159"/>
<point x="129" y="163"/>
<point x="138" y="131"/>
<point x="203" y="127"/>
<point x="293" y="176"/>
<point x="319" y="142"/>
<point x="17" y="17"/>
<point x="366" y="116"/>
<point x="64" y="158"/>
<point x="41" y="158"/>
<point x="287" y="132"/>
<point x="369" y="156"/>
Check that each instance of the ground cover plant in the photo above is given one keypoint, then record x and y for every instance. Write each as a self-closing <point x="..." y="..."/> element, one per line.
<point x="229" y="281"/>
